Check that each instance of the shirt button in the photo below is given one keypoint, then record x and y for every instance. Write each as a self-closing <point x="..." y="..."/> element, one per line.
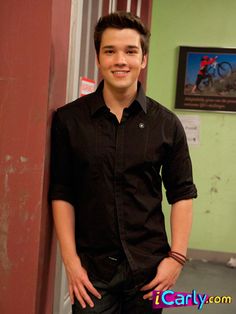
<point x="141" y="125"/>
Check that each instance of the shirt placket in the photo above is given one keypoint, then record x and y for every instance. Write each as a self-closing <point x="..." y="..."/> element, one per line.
<point x="119" y="185"/>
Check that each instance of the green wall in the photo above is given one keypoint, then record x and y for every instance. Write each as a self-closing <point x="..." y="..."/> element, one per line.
<point x="200" y="23"/>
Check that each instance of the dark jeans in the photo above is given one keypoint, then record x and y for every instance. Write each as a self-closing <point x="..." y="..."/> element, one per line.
<point x="119" y="296"/>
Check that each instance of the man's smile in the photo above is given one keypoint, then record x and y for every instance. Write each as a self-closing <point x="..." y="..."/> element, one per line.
<point x="120" y="73"/>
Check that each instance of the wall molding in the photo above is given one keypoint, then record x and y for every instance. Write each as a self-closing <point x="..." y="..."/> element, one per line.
<point x="211" y="256"/>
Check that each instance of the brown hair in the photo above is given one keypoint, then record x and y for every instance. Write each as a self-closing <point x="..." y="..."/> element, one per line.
<point x="121" y="20"/>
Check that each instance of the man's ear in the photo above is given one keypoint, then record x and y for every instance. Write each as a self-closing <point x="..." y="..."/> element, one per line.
<point x="144" y="62"/>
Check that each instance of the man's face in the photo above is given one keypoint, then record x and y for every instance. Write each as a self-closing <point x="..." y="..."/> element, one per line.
<point x="121" y="59"/>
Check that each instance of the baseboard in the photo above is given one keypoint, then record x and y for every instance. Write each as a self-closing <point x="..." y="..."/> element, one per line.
<point x="211" y="256"/>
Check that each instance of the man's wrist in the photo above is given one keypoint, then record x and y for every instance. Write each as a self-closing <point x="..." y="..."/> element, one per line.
<point x="182" y="249"/>
<point x="70" y="257"/>
<point x="178" y="257"/>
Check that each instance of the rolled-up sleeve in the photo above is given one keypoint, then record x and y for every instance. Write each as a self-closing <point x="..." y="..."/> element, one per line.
<point x="61" y="175"/>
<point x="177" y="169"/>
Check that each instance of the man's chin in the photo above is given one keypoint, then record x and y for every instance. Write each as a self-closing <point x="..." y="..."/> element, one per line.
<point x="121" y="85"/>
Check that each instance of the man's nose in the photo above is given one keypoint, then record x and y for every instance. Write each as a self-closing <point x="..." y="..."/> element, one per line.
<point x="120" y="58"/>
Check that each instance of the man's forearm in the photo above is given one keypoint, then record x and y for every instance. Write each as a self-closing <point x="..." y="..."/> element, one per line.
<point x="64" y="220"/>
<point x="181" y="223"/>
<point x="169" y="269"/>
<point x="78" y="281"/>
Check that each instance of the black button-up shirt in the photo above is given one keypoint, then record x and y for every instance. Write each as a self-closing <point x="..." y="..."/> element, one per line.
<point x="112" y="174"/>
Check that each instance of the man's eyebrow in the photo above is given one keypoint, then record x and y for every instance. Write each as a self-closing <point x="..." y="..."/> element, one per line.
<point x="132" y="47"/>
<point x="129" y="47"/>
<point x="107" y="47"/>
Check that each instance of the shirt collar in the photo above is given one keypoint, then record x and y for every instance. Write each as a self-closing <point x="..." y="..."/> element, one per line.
<point x="141" y="97"/>
<point x="100" y="103"/>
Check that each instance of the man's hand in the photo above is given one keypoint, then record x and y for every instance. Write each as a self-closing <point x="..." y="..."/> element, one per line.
<point x="168" y="272"/>
<point x="79" y="283"/>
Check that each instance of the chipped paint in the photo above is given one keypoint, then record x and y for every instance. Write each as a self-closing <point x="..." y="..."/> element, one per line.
<point x="4" y="223"/>
<point x="23" y="159"/>
<point x="4" y="218"/>
<point x="24" y="214"/>
<point x="8" y="171"/>
<point x="8" y="158"/>
<point x="6" y="185"/>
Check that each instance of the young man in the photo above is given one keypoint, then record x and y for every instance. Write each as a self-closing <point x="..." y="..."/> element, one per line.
<point x="111" y="151"/>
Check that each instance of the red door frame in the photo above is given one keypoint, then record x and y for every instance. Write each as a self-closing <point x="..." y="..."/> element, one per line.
<point x="33" y="51"/>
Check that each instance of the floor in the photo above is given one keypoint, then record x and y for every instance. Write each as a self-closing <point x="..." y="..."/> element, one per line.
<point x="207" y="278"/>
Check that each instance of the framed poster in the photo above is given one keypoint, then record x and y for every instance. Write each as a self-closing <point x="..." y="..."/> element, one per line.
<point x="206" y="79"/>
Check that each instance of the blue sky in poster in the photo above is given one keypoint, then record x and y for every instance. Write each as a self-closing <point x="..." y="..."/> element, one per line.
<point x="194" y="59"/>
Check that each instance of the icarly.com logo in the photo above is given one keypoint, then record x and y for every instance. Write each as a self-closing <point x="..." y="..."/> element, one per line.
<point x="170" y="298"/>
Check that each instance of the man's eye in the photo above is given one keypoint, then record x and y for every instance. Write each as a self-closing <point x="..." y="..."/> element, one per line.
<point x="109" y="52"/>
<point x="131" y="52"/>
